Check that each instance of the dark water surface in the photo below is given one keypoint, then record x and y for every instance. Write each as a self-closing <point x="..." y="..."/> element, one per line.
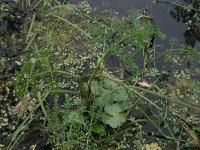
<point x="158" y="11"/>
<point x="161" y="12"/>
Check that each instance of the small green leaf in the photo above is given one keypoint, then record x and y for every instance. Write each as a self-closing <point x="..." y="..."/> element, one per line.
<point x="113" y="109"/>
<point x="116" y="121"/>
<point x="99" y="129"/>
<point x="109" y="84"/>
<point x="119" y="94"/>
<point x="103" y="99"/>
<point x="99" y="101"/>
<point x="106" y="95"/>
<point x="95" y="88"/>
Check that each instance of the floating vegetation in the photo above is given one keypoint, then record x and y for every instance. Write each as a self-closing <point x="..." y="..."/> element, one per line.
<point x="66" y="92"/>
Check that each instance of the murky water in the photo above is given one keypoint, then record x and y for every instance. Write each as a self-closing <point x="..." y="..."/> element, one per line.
<point x="159" y="11"/>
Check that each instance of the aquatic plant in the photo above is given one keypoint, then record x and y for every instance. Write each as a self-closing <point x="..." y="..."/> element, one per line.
<point x="86" y="103"/>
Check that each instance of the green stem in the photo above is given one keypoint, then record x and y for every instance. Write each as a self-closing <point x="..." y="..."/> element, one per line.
<point x="42" y="106"/>
<point x="101" y="60"/>
<point x="66" y="73"/>
<point x="155" y="125"/>
<point x="75" y="26"/>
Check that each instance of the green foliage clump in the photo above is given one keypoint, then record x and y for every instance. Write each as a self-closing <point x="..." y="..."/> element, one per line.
<point x="69" y="49"/>
<point x="112" y="99"/>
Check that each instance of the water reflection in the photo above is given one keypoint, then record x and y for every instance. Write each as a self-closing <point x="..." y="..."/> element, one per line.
<point x="189" y="14"/>
<point x="160" y="12"/>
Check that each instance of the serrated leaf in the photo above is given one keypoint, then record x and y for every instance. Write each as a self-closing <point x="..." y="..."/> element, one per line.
<point x="99" y="101"/>
<point x="119" y="95"/>
<point x="103" y="99"/>
<point x="106" y="95"/>
<point x="116" y="121"/>
<point x="76" y="118"/>
<point x="113" y="109"/>
<point x="109" y="84"/>
<point x="95" y="88"/>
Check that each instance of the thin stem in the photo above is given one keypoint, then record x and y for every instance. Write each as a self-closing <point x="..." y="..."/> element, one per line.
<point x="158" y="128"/>
<point x="31" y="26"/>
<point x="75" y="26"/>
<point x="41" y="100"/>
<point x="66" y="73"/>
<point x="101" y="59"/>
